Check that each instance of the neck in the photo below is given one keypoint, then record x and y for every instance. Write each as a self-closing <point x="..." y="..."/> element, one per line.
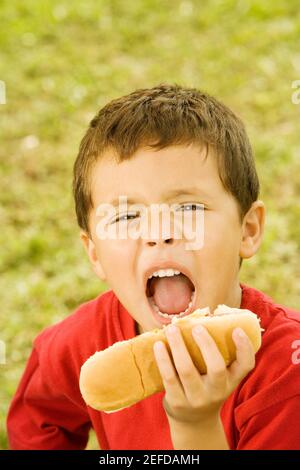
<point x="236" y="300"/>
<point x="138" y="329"/>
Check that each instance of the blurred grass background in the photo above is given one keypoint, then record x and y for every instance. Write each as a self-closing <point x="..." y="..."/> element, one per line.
<point x="61" y="61"/>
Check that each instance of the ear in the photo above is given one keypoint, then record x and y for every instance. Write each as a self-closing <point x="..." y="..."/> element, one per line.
<point x="252" y="230"/>
<point x="92" y="254"/>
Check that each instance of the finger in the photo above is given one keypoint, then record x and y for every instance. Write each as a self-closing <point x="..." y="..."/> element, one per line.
<point x="216" y="366"/>
<point x="189" y="375"/>
<point x="245" y="356"/>
<point x="168" y="374"/>
<point x="216" y="375"/>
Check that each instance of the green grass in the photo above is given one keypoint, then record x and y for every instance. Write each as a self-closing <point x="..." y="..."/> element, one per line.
<point x="61" y="61"/>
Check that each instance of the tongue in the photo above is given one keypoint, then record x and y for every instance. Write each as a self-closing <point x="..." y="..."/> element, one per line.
<point x="172" y="294"/>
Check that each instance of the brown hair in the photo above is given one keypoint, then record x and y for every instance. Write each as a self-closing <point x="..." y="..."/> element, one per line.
<point x="159" y="117"/>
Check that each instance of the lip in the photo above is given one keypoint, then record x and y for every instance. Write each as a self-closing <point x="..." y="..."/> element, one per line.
<point x="165" y="265"/>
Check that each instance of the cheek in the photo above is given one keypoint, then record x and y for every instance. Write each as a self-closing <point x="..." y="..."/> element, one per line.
<point x="116" y="256"/>
<point x="221" y="238"/>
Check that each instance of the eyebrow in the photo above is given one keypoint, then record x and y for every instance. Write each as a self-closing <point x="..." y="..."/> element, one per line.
<point x="172" y="194"/>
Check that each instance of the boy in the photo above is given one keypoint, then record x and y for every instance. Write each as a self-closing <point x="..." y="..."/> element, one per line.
<point x="183" y="148"/>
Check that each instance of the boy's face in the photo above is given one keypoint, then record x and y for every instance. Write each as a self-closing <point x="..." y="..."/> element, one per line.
<point x="126" y="264"/>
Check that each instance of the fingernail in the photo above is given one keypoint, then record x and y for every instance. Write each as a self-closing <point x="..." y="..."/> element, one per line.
<point x="158" y="346"/>
<point x="198" y="329"/>
<point x="240" y="333"/>
<point x="172" y="329"/>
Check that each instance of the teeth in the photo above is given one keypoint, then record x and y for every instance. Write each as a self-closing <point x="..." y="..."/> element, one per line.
<point x="178" y="315"/>
<point x="165" y="272"/>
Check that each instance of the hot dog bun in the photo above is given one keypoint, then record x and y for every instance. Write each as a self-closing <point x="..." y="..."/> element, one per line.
<point x="126" y="372"/>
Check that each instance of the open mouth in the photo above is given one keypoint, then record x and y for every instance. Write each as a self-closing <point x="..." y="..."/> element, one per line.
<point x="170" y="293"/>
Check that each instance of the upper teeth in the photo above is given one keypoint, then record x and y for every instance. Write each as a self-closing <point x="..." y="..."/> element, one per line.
<point x="164" y="272"/>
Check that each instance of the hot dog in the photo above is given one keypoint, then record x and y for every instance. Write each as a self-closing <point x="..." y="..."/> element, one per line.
<point x="126" y="372"/>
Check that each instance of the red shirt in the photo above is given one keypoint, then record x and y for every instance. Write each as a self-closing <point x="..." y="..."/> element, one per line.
<point x="48" y="411"/>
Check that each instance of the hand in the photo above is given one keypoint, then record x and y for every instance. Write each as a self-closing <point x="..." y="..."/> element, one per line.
<point x="191" y="396"/>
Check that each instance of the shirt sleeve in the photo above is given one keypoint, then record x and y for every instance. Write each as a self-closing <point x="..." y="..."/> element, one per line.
<point x="42" y="416"/>
<point x="275" y="428"/>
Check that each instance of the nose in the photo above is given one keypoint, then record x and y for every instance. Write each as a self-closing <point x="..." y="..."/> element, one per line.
<point x="160" y="237"/>
<point x="169" y="241"/>
<point x="158" y="228"/>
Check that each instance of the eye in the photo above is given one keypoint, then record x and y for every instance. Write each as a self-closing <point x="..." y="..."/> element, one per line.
<point x="124" y="217"/>
<point x="191" y="207"/>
